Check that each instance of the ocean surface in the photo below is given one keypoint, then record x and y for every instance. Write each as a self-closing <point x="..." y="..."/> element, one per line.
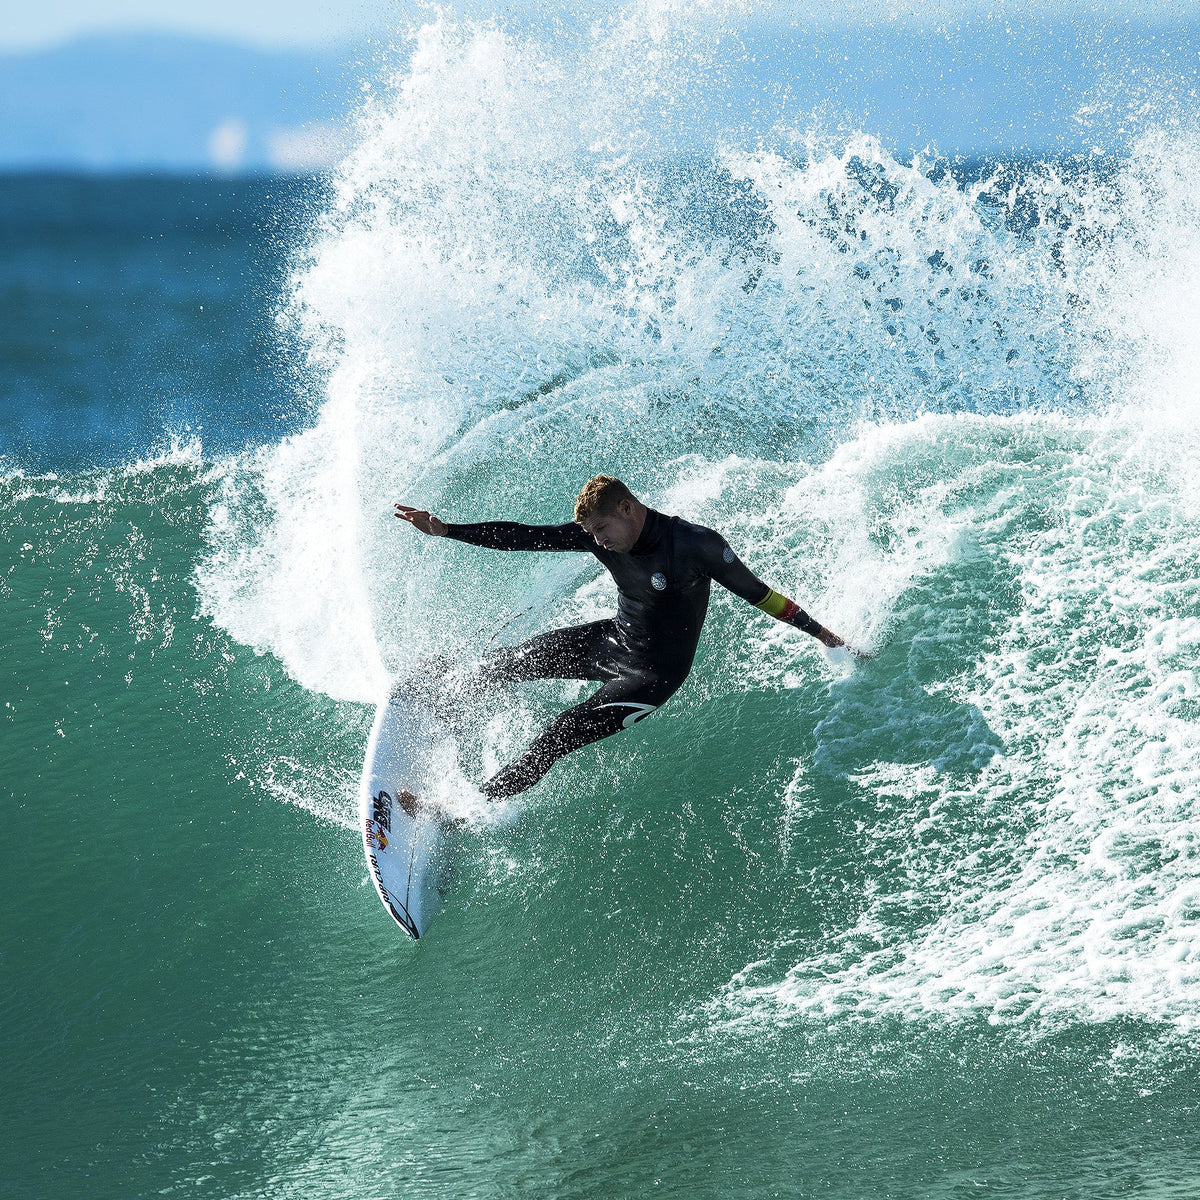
<point x="926" y="926"/>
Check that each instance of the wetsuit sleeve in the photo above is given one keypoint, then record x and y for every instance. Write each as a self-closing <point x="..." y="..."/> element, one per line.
<point x="510" y="535"/>
<point x="730" y="572"/>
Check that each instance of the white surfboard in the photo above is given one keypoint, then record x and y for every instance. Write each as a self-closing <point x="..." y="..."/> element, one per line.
<point x="406" y="852"/>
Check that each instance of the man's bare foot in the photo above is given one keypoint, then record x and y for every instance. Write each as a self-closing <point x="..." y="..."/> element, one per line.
<point x="413" y="807"/>
<point x="408" y="803"/>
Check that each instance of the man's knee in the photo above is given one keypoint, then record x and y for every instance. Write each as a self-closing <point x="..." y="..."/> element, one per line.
<point x="512" y="664"/>
<point x="523" y="772"/>
<point x="577" y="727"/>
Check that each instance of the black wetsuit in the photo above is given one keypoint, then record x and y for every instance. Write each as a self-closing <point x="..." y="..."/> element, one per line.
<point x="641" y="656"/>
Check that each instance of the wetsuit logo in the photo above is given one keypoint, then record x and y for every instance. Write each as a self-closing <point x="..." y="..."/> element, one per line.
<point x="659" y="581"/>
<point x="727" y="555"/>
<point x="640" y="711"/>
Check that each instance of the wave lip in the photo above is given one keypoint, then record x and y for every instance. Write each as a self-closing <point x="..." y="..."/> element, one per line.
<point x="512" y="288"/>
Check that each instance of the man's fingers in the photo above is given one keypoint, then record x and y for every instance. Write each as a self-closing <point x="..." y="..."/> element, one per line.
<point x="412" y="515"/>
<point x="418" y="518"/>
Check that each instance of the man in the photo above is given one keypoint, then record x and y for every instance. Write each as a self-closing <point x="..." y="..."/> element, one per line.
<point x="662" y="566"/>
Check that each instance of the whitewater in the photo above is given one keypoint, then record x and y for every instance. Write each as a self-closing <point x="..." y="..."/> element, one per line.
<point x="952" y="415"/>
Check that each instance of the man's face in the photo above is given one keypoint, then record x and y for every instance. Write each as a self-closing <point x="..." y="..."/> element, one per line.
<point x="616" y="531"/>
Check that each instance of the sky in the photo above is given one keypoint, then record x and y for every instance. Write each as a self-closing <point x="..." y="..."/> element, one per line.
<point x="965" y="76"/>
<point x="315" y="23"/>
<point x="281" y="23"/>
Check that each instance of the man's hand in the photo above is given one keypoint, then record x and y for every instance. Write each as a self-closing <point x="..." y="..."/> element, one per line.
<point x="828" y="638"/>
<point x="422" y="520"/>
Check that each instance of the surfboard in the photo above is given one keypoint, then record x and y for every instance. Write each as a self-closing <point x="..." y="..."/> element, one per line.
<point x="405" y="846"/>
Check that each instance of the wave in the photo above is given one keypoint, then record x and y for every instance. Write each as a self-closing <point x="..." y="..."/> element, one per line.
<point x="950" y="407"/>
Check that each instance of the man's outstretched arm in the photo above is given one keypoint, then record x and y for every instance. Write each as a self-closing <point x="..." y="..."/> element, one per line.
<point x="730" y="572"/>
<point x="499" y="535"/>
<point x="782" y="609"/>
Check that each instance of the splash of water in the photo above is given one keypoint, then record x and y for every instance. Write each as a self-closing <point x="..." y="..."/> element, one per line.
<point x="505" y="271"/>
<point x="913" y="396"/>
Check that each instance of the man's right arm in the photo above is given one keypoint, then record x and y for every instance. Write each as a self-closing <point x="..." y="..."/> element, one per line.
<point x="511" y="535"/>
<point x="728" y="570"/>
<point x="500" y="535"/>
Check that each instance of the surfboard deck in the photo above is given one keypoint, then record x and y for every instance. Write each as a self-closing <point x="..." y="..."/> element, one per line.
<point x="406" y="849"/>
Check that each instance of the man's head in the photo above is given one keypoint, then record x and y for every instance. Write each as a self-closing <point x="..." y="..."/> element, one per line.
<point x="611" y="513"/>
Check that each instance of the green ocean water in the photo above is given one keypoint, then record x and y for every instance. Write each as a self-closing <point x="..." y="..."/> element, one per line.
<point x="924" y="926"/>
<point x="203" y="996"/>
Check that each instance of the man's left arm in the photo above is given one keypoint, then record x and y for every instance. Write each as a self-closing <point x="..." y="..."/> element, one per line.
<point x="730" y="572"/>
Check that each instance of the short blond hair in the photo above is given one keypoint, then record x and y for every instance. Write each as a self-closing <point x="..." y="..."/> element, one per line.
<point x="600" y="496"/>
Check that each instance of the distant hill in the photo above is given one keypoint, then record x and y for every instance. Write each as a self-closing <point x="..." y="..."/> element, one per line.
<point x="159" y="101"/>
<point x="981" y="85"/>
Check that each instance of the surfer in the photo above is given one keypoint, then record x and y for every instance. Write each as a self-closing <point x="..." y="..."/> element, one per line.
<point x="662" y="567"/>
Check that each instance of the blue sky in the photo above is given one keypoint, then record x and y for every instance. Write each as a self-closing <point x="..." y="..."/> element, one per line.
<point x="263" y="22"/>
<point x="323" y="22"/>
<point x="964" y="76"/>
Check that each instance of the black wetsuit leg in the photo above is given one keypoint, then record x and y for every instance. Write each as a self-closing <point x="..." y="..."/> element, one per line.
<point x="634" y="694"/>
<point x="577" y="652"/>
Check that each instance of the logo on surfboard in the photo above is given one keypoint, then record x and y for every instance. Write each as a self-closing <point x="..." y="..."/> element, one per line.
<point x="381" y="811"/>
<point x="379" y="823"/>
<point x="376" y="837"/>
